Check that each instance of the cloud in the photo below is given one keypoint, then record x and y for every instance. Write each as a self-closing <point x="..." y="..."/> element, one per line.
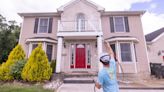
<point x="152" y="22"/>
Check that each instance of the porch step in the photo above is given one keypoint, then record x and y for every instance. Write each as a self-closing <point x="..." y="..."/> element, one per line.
<point x="80" y="74"/>
<point x="81" y="80"/>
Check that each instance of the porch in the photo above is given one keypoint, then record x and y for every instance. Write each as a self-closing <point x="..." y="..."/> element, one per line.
<point x="79" y="46"/>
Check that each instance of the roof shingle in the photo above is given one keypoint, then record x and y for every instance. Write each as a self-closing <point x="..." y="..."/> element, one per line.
<point x="151" y="36"/>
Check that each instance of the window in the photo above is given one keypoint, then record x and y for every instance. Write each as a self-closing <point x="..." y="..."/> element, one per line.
<point x="88" y="56"/>
<point x="72" y="55"/>
<point x="80" y="22"/>
<point x="49" y="51"/>
<point x="34" y="46"/>
<point x="119" y="24"/>
<point x="125" y="49"/>
<point x="43" y="25"/>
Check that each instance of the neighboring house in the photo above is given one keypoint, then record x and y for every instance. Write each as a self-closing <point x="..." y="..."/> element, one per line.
<point x="155" y="46"/>
<point x="74" y="35"/>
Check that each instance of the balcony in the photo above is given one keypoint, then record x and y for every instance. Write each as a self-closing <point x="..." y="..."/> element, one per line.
<point x="85" y="28"/>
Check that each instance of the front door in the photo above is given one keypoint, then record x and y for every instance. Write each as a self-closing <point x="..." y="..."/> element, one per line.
<point x="80" y="56"/>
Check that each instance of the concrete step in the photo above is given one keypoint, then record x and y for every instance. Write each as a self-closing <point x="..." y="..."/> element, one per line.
<point x="77" y="80"/>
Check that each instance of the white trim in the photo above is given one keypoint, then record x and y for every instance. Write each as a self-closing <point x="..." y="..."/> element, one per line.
<point x="123" y="39"/>
<point x="70" y="34"/>
<point x="29" y="50"/>
<point x="61" y="9"/>
<point x="41" y="40"/>
<point x="21" y="31"/>
<point x="38" y="29"/>
<point x="158" y="37"/>
<point x="134" y="56"/>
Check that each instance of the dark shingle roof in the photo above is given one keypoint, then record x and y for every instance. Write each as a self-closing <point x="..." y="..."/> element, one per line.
<point x="151" y="36"/>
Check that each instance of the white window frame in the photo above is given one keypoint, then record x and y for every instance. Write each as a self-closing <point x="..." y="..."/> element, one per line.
<point x="115" y="24"/>
<point x="79" y="23"/>
<point x="131" y="49"/>
<point x="38" y="31"/>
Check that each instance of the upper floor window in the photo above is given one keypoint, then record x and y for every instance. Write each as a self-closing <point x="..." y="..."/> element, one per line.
<point x="119" y="24"/>
<point x="43" y="25"/>
<point x="80" y="22"/>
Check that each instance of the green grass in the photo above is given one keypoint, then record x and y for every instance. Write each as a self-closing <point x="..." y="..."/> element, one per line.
<point x="22" y="88"/>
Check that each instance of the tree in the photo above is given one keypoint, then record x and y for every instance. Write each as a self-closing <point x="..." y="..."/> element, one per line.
<point x="37" y="67"/>
<point x="9" y="35"/>
<point x="17" y="54"/>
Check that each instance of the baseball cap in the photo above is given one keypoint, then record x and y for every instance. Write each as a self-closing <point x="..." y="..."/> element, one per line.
<point x="105" y="57"/>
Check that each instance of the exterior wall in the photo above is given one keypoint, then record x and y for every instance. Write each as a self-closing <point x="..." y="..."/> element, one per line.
<point x="27" y="32"/>
<point x="66" y="56"/>
<point x="153" y="51"/>
<point x="70" y="14"/>
<point x="136" y="31"/>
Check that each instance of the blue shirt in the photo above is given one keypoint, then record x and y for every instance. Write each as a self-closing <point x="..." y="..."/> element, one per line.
<point x="107" y="78"/>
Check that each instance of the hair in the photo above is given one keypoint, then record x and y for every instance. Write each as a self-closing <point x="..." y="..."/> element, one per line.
<point x="104" y="63"/>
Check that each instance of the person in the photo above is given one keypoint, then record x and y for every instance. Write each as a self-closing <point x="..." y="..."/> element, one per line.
<point x="107" y="76"/>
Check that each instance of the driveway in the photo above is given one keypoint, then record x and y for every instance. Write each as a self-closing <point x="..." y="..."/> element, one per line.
<point x="90" y="88"/>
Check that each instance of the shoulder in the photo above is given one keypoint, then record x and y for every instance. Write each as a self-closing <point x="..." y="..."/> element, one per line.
<point x="101" y="73"/>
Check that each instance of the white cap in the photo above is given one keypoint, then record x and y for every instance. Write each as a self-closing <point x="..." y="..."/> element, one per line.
<point x="105" y="57"/>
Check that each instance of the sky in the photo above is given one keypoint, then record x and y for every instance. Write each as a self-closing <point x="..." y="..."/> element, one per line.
<point x="152" y="20"/>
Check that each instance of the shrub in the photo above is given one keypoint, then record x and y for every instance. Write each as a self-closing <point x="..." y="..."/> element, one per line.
<point x="15" y="55"/>
<point x="37" y="67"/>
<point x="17" y="68"/>
<point x="53" y="65"/>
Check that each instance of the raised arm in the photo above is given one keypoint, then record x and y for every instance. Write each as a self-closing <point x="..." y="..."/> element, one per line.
<point x="109" y="49"/>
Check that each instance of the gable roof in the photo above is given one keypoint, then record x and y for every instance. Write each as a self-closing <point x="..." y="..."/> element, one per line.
<point x="154" y="35"/>
<point x="99" y="8"/>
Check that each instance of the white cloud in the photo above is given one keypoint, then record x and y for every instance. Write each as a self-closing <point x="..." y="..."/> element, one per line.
<point x="10" y="8"/>
<point x="153" y="5"/>
<point x="152" y="22"/>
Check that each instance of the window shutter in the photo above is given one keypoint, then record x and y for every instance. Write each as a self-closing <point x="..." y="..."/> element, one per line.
<point x="126" y="24"/>
<point x="36" y="25"/>
<point x="111" y="25"/>
<point x="50" y="25"/>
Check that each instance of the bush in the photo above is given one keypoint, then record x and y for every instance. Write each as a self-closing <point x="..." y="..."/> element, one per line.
<point x="37" y="68"/>
<point x="17" y="68"/>
<point x="53" y="65"/>
<point x="15" y="55"/>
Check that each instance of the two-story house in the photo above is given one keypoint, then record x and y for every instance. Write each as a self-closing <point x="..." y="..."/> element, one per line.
<point x="155" y="46"/>
<point x="74" y="36"/>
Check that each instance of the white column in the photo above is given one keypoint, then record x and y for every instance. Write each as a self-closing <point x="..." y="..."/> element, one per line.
<point x="59" y="54"/>
<point x="134" y="56"/>
<point x="44" y="46"/>
<point x="30" y="49"/>
<point x="118" y="56"/>
<point x="99" y="50"/>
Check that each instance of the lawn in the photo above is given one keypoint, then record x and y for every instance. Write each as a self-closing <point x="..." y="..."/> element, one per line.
<point x="22" y="88"/>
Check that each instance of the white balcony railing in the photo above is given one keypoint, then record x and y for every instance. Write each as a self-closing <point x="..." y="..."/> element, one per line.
<point x="81" y="26"/>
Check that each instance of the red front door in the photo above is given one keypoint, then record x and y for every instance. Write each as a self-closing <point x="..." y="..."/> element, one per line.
<point x="80" y="56"/>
